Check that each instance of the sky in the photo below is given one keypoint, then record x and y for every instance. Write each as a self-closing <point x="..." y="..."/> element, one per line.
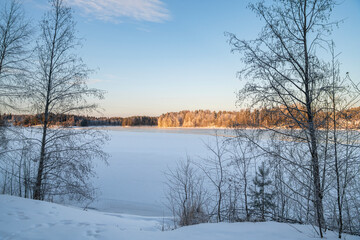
<point x="158" y="56"/>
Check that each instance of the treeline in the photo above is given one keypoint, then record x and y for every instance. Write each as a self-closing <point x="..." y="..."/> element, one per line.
<point x="264" y="117"/>
<point x="75" y="120"/>
<point x="274" y="117"/>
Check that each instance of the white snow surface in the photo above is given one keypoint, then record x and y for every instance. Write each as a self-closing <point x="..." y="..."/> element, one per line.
<point x="31" y="219"/>
<point x="134" y="182"/>
<point x="130" y="204"/>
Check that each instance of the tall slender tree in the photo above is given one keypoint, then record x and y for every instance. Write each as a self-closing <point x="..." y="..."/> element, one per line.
<point x="286" y="72"/>
<point x="59" y="86"/>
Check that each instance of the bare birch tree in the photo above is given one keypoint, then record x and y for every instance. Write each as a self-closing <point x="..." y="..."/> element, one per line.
<point x="59" y="86"/>
<point x="286" y="72"/>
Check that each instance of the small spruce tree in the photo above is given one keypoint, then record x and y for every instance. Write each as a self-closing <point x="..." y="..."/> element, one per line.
<point x="262" y="197"/>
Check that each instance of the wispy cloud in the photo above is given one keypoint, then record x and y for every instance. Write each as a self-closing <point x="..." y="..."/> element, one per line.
<point x="94" y="81"/>
<point x="117" y="10"/>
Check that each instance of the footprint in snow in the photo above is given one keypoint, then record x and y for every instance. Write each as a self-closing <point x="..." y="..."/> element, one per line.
<point x="67" y="222"/>
<point x="91" y="233"/>
<point x="83" y="224"/>
<point x="22" y="216"/>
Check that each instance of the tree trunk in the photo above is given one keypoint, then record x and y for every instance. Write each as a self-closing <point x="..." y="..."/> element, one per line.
<point x="37" y="192"/>
<point x="312" y="132"/>
<point x="246" y="200"/>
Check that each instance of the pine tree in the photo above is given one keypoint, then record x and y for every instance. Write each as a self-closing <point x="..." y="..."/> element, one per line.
<point x="262" y="197"/>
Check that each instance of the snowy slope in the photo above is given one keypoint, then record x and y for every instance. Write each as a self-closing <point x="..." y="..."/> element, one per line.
<point x="30" y="219"/>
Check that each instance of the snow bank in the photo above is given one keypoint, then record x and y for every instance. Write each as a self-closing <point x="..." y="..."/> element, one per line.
<point x="29" y="219"/>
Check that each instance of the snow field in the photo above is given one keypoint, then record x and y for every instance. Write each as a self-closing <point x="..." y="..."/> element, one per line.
<point x="30" y="219"/>
<point x="134" y="182"/>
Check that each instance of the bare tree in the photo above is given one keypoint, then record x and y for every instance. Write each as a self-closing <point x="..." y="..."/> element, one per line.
<point x="243" y="157"/>
<point x="15" y="33"/>
<point x="345" y="149"/>
<point x="59" y="86"/>
<point x="214" y="168"/>
<point x="333" y="91"/>
<point x="17" y="165"/>
<point x="283" y="62"/>
<point x="186" y="194"/>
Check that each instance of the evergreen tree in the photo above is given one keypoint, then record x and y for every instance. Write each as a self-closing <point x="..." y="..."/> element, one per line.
<point x="262" y="197"/>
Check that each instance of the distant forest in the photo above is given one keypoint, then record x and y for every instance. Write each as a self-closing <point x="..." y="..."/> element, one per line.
<point x="199" y="118"/>
<point x="274" y="117"/>
<point x="81" y="121"/>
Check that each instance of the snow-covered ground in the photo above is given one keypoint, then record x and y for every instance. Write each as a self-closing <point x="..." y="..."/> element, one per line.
<point x="130" y="204"/>
<point x="134" y="180"/>
<point x="29" y="219"/>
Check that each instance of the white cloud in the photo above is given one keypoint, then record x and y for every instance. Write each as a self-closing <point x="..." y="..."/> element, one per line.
<point x="115" y="10"/>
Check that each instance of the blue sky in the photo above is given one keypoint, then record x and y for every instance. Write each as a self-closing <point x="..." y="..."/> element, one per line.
<point x="157" y="56"/>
